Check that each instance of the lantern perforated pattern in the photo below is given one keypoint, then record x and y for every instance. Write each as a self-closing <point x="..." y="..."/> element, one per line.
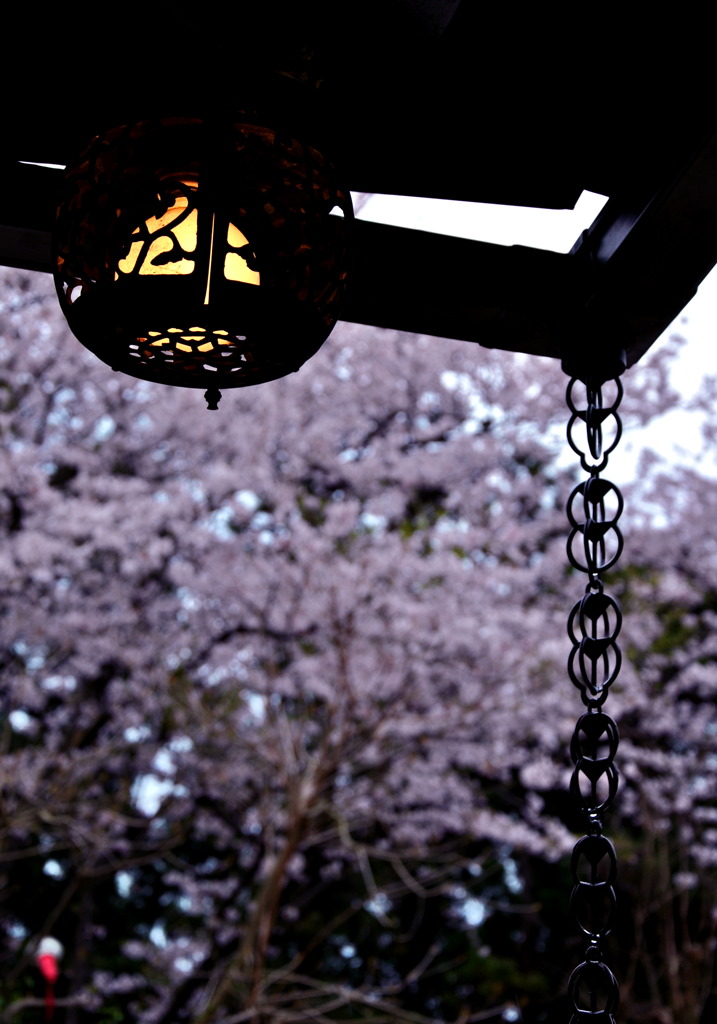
<point x="199" y="254"/>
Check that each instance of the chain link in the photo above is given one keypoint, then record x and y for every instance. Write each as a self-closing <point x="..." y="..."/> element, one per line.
<point x="594" y="546"/>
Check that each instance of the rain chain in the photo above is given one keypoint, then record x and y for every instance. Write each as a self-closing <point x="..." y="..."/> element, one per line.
<point x="594" y="546"/>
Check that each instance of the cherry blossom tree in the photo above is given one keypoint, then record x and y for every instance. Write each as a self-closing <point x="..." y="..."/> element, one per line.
<point x="286" y="718"/>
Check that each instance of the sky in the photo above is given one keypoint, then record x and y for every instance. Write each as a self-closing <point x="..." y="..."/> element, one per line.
<point x="676" y="437"/>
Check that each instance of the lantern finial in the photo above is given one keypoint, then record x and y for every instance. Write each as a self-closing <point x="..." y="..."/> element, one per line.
<point x="212" y="397"/>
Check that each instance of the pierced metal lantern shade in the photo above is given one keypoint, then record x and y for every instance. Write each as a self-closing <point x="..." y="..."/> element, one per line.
<point x="201" y="254"/>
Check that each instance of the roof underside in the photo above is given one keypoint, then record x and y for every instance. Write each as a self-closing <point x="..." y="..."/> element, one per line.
<point x="414" y="97"/>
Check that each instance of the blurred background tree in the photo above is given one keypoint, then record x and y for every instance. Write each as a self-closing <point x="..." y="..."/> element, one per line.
<point x="285" y="718"/>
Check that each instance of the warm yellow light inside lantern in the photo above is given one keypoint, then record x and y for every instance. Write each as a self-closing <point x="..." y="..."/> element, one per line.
<point x="128" y="263"/>
<point x="185" y="233"/>
<point x="175" y="234"/>
<point x="200" y="339"/>
<point x="236" y="267"/>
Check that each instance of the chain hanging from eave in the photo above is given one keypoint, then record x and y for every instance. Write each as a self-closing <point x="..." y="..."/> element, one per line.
<point x="594" y="546"/>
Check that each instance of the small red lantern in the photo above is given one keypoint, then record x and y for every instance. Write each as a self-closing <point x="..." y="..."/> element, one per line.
<point x="47" y="957"/>
<point x="200" y="253"/>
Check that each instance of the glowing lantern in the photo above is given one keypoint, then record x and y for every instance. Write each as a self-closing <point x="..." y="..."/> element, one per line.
<point x="200" y="254"/>
<point x="47" y="957"/>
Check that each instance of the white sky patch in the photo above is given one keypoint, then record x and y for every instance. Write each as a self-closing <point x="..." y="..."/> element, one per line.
<point x="557" y="230"/>
<point x="124" y="883"/>
<point x="66" y="683"/>
<point x="373" y="523"/>
<point x="163" y="762"/>
<point x="104" y="428"/>
<point x="189" y="601"/>
<point x="136" y="733"/>
<point x="676" y="437"/>
<point x="511" y="876"/>
<point x="248" y="499"/>
<point x="220" y="523"/>
<point x="53" y="868"/>
<point x="21" y="721"/>
<point x="34" y="163"/>
<point x="256" y="703"/>
<point x="158" y="935"/>
<point x="181" y="744"/>
<point x="474" y="912"/>
<point x="148" y="793"/>
<point x="379" y="905"/>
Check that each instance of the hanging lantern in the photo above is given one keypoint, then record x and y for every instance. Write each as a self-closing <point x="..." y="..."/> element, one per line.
<point x="201" y="254"/>
<point x="47" y="957"/>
